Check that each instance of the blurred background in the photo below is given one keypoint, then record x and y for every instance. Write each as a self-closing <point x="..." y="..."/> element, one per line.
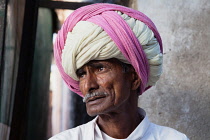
<point x="36" y="104"/>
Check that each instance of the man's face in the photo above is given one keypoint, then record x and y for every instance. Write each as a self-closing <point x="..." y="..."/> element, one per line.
<point x="109" y="82"/>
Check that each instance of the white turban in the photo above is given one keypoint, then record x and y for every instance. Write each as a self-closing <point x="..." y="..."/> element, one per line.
<point x="88" y="41"/>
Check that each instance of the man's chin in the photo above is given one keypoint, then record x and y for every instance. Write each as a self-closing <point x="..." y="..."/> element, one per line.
<point x="92" y="114"/>
<point x="95" y="109"/>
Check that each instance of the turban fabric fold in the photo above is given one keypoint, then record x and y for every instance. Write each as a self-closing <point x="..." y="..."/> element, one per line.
<point x="114" y="23"/>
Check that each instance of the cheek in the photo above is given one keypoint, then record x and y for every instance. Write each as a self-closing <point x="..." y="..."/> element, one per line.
<point x="81" y="87"/>
<point x="122" y="89"/>
<point x="105" y="81"/>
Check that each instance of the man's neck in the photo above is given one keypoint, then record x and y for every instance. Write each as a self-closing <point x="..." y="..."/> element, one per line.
<point x="121" y="124"/>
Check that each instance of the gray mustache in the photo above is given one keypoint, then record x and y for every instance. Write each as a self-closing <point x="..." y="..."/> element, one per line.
<point x="89" y="95"/>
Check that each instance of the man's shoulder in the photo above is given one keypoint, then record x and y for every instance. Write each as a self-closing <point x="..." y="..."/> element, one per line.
<point x="77" y="133"/>
<point x="166" y="133"/>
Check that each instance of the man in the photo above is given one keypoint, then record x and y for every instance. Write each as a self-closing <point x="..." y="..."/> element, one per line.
<point x="109" y="55"/>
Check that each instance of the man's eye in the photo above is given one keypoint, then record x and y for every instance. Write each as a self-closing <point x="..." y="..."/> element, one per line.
<point x="81" y="74"/>
<point x="101" y="68"/>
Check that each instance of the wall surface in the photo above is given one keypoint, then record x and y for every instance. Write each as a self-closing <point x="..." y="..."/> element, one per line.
<point x="181" y="98"/>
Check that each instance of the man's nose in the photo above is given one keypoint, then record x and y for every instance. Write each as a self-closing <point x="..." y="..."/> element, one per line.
<point x="91" y="82"/>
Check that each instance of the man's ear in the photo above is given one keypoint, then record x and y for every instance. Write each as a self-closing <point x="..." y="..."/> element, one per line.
<point x="136" y="81"/>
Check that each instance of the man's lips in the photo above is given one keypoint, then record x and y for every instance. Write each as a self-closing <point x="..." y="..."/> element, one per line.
<point x="94" y="98"/>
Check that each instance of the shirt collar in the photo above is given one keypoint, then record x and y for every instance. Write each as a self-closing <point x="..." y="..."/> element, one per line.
<point x="141" y="129"/>
<point x="136" y="134"/>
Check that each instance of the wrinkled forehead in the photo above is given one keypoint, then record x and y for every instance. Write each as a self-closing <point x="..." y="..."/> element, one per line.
<point x="111" y="61"/>
<point x="108" y="63"/>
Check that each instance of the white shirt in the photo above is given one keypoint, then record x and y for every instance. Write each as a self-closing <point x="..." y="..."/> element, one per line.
<point x="144" y="131"/>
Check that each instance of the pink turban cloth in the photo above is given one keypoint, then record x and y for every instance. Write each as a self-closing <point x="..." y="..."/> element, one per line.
<point x="104" y="15"/>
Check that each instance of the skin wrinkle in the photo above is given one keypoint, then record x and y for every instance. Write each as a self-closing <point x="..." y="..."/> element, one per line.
<point x="121" y="100"/>
<point x="113" y="125"/>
